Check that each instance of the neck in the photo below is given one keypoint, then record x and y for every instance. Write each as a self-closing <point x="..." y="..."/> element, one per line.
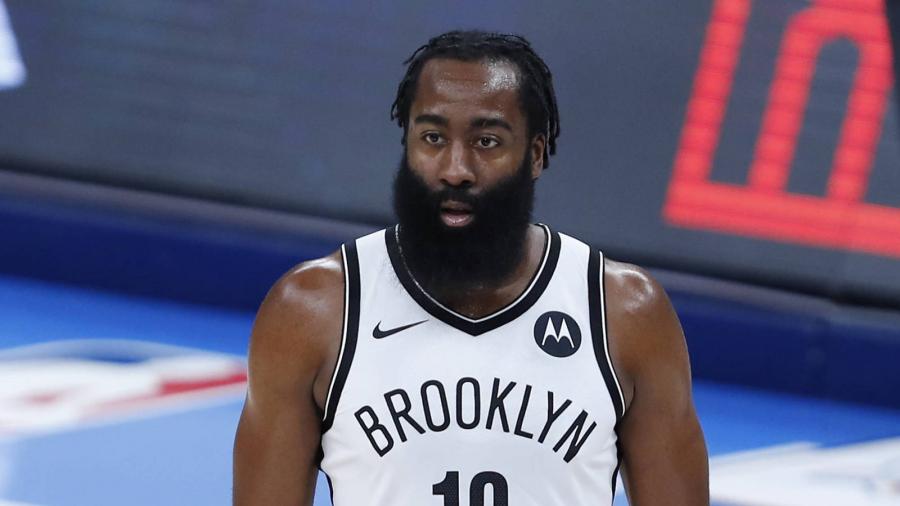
<point x="480" y="299"/>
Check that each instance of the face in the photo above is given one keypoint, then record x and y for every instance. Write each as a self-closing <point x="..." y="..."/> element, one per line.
<point x="466" y="129"/>
<point x="465" y="188"/>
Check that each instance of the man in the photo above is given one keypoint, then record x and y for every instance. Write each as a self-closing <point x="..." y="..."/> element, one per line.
<point x="467" y="352"/>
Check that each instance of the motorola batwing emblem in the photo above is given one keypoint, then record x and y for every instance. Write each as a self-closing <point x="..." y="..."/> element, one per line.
<point x="557" y="334"/>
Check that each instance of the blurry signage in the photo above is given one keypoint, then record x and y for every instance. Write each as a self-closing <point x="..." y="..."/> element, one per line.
<point x="763" y="207"/>
<point x="12" y="71"/>
<point x="62" y="384"/>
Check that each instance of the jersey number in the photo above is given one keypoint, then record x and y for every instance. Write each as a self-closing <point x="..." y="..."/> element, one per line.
<point x="449" y="488"/>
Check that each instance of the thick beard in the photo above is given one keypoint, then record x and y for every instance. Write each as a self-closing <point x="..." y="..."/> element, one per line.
<point x="486" y="251"/>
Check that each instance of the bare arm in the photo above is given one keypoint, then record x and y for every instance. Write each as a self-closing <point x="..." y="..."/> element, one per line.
<point x="664" y="453"/>
<point x="290" y="362"/>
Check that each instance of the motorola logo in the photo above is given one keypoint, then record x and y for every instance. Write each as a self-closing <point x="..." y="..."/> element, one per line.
<point x="557" y="334"/>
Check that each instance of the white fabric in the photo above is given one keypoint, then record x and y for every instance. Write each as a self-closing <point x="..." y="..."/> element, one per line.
<point x="534" y="473"/>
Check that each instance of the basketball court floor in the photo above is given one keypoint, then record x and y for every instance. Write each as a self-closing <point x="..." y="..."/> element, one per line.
<point x="108" y="399"/>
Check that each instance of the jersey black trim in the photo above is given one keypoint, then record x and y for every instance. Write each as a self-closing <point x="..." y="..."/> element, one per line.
<point x="615" y="475"/>
<point x="597" y="308"/>
<point x="331" y="487"/>
<point x="476" y="327"/>
<point x="350" y="331"/>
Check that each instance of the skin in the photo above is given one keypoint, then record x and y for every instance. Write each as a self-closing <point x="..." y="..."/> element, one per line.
<point x="296" y="336"/>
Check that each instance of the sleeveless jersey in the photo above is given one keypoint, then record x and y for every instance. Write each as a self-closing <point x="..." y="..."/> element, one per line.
<point x="430" y="407"/>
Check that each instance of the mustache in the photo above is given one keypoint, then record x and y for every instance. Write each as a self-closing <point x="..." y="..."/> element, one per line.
<point x="457" y="194"/>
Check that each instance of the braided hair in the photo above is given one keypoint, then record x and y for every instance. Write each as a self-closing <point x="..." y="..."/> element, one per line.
<point x="536" y="95"/>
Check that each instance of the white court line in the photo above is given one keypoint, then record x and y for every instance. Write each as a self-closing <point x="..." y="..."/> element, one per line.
<point x="797" y="475"/>
<point x="762" y="453"/>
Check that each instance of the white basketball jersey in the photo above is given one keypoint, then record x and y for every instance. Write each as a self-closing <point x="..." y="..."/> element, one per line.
<point x="430" y="407"/>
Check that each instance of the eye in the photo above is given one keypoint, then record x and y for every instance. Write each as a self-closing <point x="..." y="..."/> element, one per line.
<point x="432" y="138"/>
<point x="488" y="142"/>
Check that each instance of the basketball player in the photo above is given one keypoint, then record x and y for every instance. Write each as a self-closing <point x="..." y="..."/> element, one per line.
<point x="467" y="356"/>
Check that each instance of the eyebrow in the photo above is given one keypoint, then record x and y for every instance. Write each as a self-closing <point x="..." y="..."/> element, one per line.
<point x="490" y="122"/>
<point x="432" y="118"/>
<point x="475" y="123"/>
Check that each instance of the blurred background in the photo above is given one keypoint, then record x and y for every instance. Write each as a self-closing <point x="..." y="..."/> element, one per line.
<point x="163" y="162"/>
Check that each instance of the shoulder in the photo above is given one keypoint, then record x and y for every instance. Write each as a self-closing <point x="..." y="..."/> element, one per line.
<point x="313" y="276"/>
<point x="308" y="289"/>
<point x="644" y="332"/>
<point x="631" y="290"/>
<point x="299" y="321"/>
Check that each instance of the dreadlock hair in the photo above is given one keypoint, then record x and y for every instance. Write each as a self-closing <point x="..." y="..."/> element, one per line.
<point x="536" y="95"/>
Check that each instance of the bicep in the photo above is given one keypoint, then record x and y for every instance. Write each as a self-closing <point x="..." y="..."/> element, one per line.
<point x="665" y="460"/>
<point x="664" y="453"/>
<point x="277" y="440"/>
<point x="275" y="455"/>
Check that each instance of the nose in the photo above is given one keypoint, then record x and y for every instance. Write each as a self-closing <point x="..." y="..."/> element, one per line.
<point x="457" y="169"/>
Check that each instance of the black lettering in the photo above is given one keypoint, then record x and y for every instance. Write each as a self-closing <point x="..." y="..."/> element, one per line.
<point x="401" y="413"/>
<point x="522" y="409"/>
<point x="449" y="488"/>
<point x="498" y="484"/>
<point x="552" y="415"/>
<point x="444" y="407"/>
<point x="373" y="427"/>
<point x="476" y="394"/>
<point x="576" y="444"/>
<point x="497" y="404"/>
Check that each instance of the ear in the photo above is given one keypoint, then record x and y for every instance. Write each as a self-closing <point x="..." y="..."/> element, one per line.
<point x="537" y="155"/>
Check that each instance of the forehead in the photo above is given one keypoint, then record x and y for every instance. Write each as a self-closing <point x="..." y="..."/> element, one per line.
<point x="454" y="87"/>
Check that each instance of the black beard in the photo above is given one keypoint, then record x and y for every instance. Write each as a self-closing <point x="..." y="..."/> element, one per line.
<point x="488" y="250"/>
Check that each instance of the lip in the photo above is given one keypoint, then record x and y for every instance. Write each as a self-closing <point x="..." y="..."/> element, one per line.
<point x="456" y="206"/>
<point x="456" y="214"/>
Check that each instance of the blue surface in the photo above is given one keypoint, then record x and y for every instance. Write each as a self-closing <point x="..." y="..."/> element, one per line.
<point x="184" y="457"/>
<point x="36" y="311"/>
<point x="147" y="255"/>
<point x="796" y="344"/>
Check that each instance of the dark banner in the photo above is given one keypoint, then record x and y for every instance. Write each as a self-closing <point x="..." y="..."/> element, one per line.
<point x="752" y="139"/>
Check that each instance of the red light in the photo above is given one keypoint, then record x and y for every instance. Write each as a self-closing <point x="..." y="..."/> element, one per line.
<point x="763" y="208"/>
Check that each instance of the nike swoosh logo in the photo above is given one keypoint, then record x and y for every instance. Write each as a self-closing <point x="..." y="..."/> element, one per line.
<point x="377" y="333"/>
